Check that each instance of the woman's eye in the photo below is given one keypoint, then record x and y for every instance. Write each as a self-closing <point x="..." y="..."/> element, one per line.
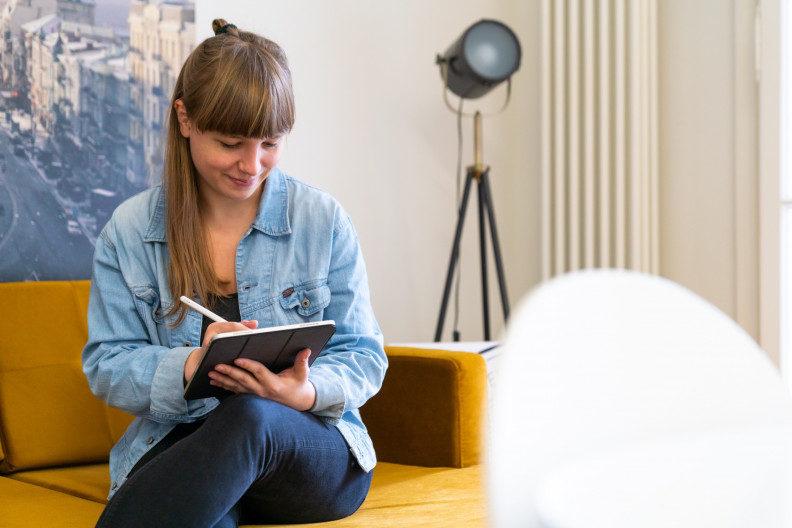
<point x="270" y="144"/>
<point x="228" y="145"/>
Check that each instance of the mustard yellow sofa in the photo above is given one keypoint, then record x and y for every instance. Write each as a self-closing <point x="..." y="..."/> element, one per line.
<point x="427" y="424"/>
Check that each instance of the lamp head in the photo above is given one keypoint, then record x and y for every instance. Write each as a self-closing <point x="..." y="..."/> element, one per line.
<point x="484" y="56"/>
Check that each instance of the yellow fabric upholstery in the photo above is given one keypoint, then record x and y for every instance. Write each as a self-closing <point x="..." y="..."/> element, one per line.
<point x="48" y="416"/>
<point x="418" y="497"/>
<point x="89" y="481"/>
<point x="427" y="424"/>
<point x="401" y="495"/>
<point x="63" y="434"/>
<point x="25" y="506"/>
<point x="431" y="409"/>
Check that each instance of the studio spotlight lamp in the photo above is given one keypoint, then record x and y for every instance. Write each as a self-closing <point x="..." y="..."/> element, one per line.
<point x="485" y="55"/>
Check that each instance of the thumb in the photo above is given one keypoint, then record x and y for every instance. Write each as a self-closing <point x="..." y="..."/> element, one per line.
<point x="301" y="361"/>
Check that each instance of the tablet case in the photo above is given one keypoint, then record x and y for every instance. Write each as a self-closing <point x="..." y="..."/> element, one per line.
<point x="274" y="347"/>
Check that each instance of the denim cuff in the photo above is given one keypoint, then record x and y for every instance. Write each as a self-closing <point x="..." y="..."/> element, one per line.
<point x="167" y="389"/>
<point x="329" y="394"/>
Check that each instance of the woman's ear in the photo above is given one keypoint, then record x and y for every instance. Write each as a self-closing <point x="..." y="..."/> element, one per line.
<point x="185" y="127"/>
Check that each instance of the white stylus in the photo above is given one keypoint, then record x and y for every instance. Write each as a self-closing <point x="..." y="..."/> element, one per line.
<point x="198" y="308"/>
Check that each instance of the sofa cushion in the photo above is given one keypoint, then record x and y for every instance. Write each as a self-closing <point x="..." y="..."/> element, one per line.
<point x="419" y="497"/>
<point x="24" y="505"/>
<point x="431" y="410"/>
<point x="408" y="496"/>
<point x="48" y="416"/>
<point x="90" y="481"/>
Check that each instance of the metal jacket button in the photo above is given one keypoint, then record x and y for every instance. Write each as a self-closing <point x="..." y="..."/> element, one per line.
<point x="306" y="303"/>
<point x="150" y="440"/>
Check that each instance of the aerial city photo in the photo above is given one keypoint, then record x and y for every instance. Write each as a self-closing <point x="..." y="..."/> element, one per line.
<point x="84" y="88"/>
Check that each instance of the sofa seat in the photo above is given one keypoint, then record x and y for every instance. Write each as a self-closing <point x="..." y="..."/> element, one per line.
<point x="401" y="496"/>
<point x="416" y="497"/>
<point x="91" y="481"/>
<point x="427" y="423"/>
<point x="24" y="505"/>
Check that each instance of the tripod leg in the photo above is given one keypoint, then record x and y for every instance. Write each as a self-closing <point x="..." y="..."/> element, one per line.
<point x="485" y="190"/>
<point x="482" y="205"/>
<point x="454" y="256"/>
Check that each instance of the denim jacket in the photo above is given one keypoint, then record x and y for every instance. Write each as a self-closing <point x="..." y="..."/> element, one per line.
<point x="299" y="261"/>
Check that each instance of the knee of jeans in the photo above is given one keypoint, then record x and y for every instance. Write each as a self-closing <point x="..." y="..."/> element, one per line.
<point x="249" y="414"/>
<point x="249" y="406"/>
<point x="351" y="500"/>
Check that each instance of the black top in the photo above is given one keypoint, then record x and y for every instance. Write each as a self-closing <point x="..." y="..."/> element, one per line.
<point x="227" y="307"/>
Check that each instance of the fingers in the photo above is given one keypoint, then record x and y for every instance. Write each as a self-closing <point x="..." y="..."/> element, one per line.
<point x="246" y="375"/>
<point x="266" y="376"/>
<point x="254" y="367"/>
<point x="235" y="380"/>
<point x="290" y="387"/>
<point x="220" y="328"/>
<point x="220" y="380"/>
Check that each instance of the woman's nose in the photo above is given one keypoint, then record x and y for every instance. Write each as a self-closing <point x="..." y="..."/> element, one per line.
<point x="250" y="161"/>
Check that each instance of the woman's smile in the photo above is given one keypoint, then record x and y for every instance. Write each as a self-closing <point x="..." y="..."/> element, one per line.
<point x="243" y="182"/>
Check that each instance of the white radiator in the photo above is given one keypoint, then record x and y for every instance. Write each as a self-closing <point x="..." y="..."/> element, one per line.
<point x="599" y="134"/>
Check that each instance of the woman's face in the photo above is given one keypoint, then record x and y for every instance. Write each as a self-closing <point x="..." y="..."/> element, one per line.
<point x="229" y="167"/>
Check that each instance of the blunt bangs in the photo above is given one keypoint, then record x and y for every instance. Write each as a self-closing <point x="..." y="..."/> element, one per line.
<point x="246" y="94"/>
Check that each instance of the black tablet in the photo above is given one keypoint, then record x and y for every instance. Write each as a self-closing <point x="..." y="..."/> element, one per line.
<point x="274" y="347"/>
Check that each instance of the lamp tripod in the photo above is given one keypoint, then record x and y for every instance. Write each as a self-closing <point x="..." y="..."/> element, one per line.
<point x="480" y="173"/>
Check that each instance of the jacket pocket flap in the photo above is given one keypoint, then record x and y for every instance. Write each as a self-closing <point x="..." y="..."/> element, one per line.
<point x="306" y="301"/>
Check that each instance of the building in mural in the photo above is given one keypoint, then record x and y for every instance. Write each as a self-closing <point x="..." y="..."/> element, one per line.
<point x="84" y="89"/>
<point x="161" y="37"/>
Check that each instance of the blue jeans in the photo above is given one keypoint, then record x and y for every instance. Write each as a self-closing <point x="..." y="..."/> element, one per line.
<point x="251" y="461"/>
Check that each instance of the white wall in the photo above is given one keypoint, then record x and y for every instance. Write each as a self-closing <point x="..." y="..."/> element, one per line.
<point x="708" y="116"/>
<point x="373" y="130"/>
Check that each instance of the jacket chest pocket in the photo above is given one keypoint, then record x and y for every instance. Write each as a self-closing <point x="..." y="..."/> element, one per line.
<point x="304" y="304"/>
<point x="160" y="328"/>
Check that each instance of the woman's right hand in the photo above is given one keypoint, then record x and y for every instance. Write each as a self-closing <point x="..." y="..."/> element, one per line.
<point x="211" y="331"/>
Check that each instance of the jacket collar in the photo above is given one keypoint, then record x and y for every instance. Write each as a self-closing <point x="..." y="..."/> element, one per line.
<point x="272" y="217"/>
<point x="273" y="212"/>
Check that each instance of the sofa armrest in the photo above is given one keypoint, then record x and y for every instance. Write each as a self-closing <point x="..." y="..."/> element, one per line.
<point x="431" y="410"/>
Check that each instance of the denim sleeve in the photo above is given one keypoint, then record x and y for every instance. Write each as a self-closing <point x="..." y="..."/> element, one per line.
<point x="125" y="364"/>
<point x="352" y="366"/>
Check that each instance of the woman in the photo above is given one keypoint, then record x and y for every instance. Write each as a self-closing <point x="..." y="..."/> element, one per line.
<point x="230" y="230"/>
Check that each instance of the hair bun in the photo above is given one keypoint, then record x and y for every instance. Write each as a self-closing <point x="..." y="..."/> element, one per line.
<point x="220" y="26"/>
<point x="224" y="29"/>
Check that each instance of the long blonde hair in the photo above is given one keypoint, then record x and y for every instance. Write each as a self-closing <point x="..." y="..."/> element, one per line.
<point x="235" y="83"/>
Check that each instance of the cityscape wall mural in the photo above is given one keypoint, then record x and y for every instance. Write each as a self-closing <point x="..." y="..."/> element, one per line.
<point x="84" y="88"/>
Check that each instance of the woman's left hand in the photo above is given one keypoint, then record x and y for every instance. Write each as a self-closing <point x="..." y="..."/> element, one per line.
<point x="289" y="387"/>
